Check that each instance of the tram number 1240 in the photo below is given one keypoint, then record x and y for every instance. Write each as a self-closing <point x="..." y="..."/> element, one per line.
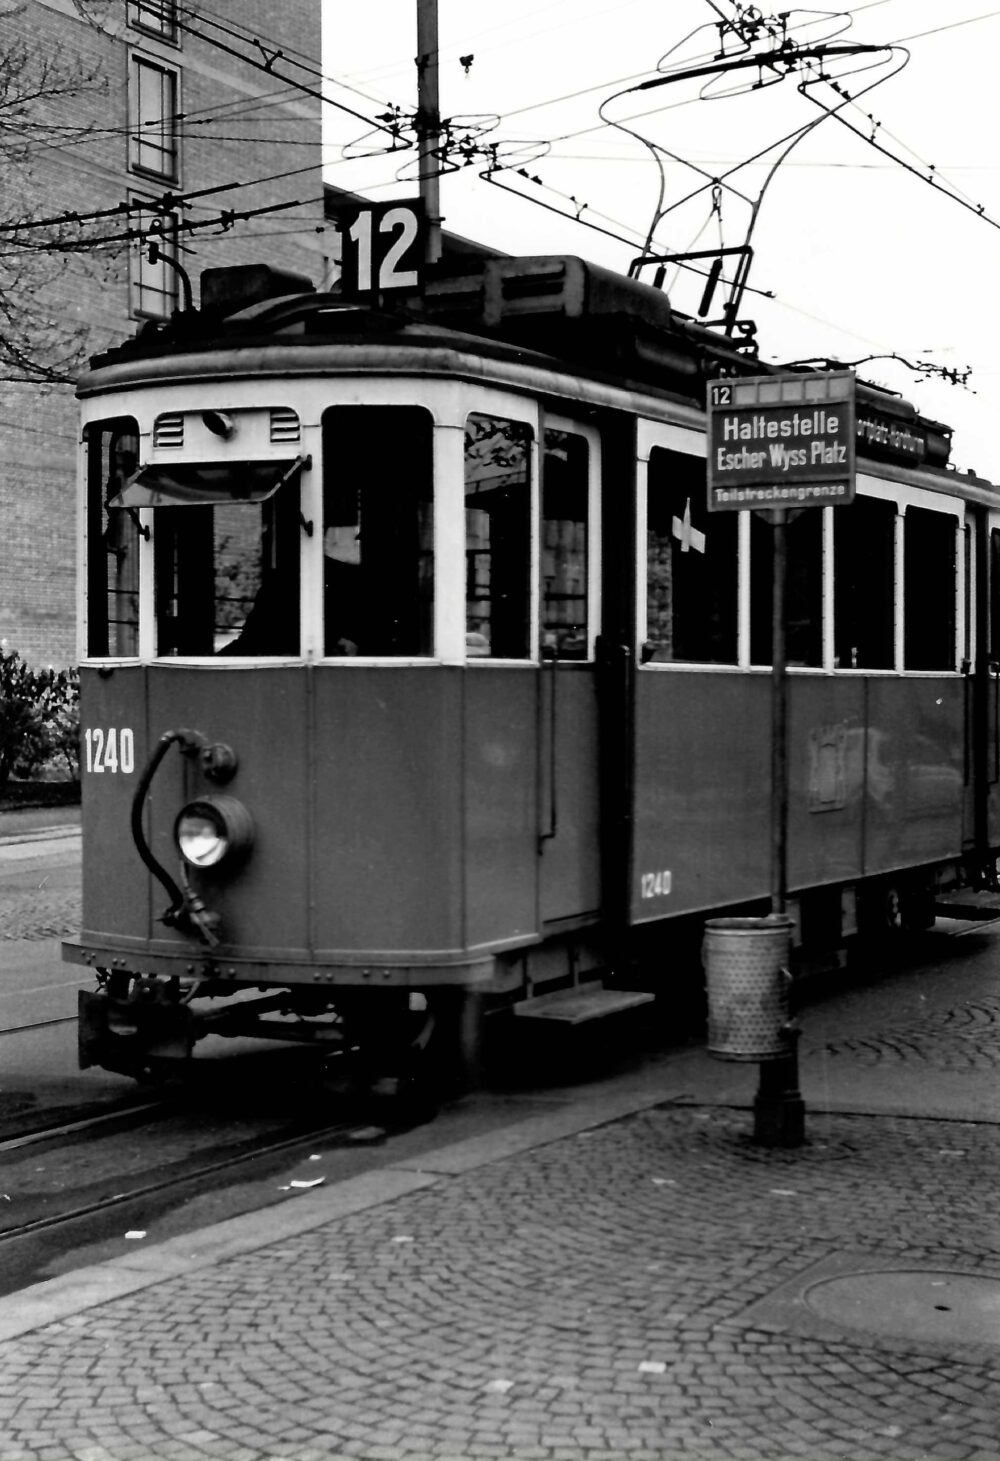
<point x="655" y="885"/>
<point x="109" y="750"/>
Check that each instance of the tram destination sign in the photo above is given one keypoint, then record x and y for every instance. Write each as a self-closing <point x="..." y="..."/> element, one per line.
<point x="781" y="440"/>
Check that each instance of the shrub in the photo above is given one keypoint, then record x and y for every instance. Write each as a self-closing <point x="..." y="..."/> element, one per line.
<point x="39" y="718"/>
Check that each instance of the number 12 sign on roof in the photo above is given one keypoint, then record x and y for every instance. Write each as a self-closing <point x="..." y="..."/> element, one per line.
<point x="781" y="440"/>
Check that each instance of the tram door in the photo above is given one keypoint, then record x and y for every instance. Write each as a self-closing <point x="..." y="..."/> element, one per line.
<point x="988" y="758"/>
<point x="532" y="851"/>
<point x="567" y="699"/>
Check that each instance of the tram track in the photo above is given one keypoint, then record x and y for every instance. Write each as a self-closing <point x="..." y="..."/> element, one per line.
<point x="38" y="1025"/>
<point x="81" y="1126"/>
<point x="174" y="1182"/>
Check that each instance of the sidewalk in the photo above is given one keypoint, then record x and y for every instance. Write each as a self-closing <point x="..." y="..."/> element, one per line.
<point x="623" y="1278"/>
<point x="34" y="823"/>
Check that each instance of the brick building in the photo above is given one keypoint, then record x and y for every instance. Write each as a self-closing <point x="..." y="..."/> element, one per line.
<point x="173" y="105"/>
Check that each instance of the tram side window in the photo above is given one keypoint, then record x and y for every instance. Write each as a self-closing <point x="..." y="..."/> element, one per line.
<point x="691" y="566"/>
<point x="227" y="576"/>
<point x="378" y="526"/>
<point x="565" y="496"/>
<point x="929" y="587"/>
<point x="995" y="595"/>
<point x="497" y="537"/>
<point x="864" y="539"/>
<point x="803" y="588"/>
<point x="113" y="541"/>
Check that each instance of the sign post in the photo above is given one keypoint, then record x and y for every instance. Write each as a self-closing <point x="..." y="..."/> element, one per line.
<point x="777" y="443"/>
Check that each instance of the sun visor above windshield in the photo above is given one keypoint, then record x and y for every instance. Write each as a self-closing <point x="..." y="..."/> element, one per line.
<point x="192" y="484"/>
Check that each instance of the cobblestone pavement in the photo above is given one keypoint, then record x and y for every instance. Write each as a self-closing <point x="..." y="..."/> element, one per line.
<point x="634" y="1290"/>
<point x="34" y="914"/>
<point x="586" y="1300"/>
<point x="39" y="896"/>
<point x="962" y="1038"/>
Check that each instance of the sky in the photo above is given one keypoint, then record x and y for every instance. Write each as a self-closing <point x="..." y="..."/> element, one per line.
<point x="857" y="251"/>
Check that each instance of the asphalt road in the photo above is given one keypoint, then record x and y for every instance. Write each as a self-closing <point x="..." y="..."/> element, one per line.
<point x="39" y="904"/>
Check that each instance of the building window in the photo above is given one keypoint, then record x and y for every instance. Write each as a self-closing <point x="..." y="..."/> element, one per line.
<point x="691" y="566"/>
<point x="154" y="106"/>
<point x="155" y="17"/>
<point x="153" y="281"/>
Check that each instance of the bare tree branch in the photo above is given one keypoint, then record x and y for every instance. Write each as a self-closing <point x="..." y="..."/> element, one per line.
<point x="47" y="99"/>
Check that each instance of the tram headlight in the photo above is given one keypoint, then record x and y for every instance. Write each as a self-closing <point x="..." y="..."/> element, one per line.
<point x="212" y="830"/>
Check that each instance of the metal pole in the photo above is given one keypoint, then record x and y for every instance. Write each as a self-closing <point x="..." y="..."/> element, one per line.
<point x="779" y="718"/>
<point x="779" y="1111"/>
<point x="429" y="123"/>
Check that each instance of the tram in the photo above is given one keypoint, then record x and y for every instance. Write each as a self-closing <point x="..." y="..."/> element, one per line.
<point x="418" y="682"/>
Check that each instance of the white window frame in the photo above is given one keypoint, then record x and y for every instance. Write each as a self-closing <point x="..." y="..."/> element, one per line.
<point x="592" y="437"/>
<point x="159" y="280"/>
<point x="155" y="18"/>
<point x="906" y="496"/>
<point x="688" y="442"/>
<point x="526" y="412"/>
<point x="146" y="144"/>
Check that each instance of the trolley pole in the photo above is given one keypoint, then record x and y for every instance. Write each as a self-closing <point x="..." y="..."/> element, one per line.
<point x="779" y="1110"/>
<point x="429" y="124"/>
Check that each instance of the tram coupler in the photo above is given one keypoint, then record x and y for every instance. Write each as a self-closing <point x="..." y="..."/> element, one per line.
<point x="125" y="1035"/>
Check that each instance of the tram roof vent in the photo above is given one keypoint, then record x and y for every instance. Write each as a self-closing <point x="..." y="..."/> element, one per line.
<point x="227" y="291"/>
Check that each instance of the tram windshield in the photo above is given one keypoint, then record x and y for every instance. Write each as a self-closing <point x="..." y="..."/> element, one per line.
<point x="378" y="527"/>
<point x="227" y="572"/>
<point x="225" y="551"/>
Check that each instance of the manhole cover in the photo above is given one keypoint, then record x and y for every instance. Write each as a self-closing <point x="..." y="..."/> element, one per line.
<point x="865" y="1296"/>
<point x="946" y="1308"/>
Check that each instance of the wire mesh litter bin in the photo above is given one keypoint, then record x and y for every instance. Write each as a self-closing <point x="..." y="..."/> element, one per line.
<point x="746" y="971"/>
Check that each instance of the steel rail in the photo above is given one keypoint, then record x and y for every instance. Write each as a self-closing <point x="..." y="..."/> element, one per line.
<point x="149" y="1189"/>
<point x="72" y="1128"/>
<point x="38" y="1024"/>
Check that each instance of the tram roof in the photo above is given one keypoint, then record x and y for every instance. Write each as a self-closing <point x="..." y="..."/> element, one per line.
<point x="556" y="312"/>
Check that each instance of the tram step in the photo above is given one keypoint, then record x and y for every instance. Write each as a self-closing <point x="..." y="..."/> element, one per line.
<point x="968" y="904"/>
<point x="577" y="1006"/>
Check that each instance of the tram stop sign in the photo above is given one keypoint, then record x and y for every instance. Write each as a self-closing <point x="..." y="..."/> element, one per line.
<point x="781" y="440"/>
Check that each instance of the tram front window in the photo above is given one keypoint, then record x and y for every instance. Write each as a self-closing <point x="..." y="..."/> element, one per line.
<point x="113" y="537"/>
<point x="378" y="526"/>
<point x="222" y="584"/>
<point x="226" y="555"/>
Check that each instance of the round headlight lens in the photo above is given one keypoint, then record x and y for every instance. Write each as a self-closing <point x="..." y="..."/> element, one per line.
<point x="209" y="830"/>
<point x="200" y="837"/>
